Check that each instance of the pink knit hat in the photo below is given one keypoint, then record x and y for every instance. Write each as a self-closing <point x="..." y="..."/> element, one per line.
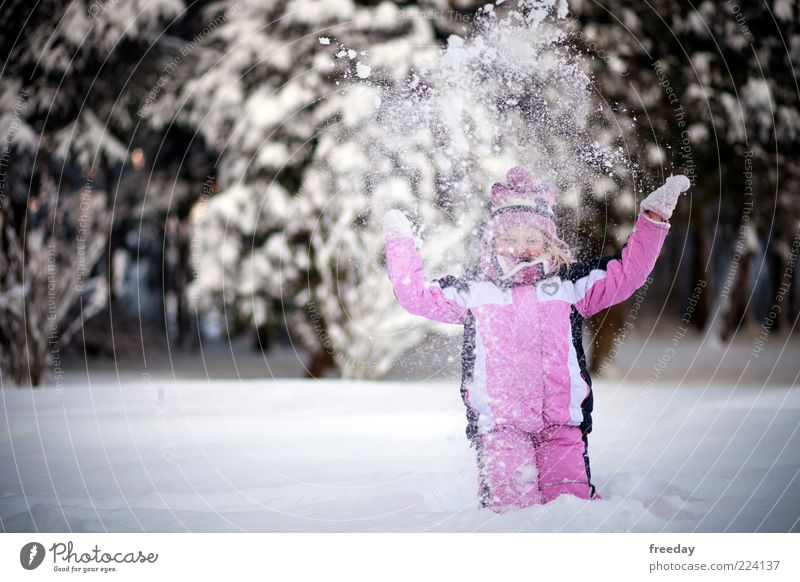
<point x="522" y="200"/>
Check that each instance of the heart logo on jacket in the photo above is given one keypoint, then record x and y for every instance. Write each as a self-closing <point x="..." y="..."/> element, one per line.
<point x="550" y="288"/>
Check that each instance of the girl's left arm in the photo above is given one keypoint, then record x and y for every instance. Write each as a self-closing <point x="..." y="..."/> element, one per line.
<point x="606" y="281"/>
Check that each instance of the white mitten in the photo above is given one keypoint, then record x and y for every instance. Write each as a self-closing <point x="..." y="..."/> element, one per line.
<point x="396" y="225"/>
<point x="663" y="200"/>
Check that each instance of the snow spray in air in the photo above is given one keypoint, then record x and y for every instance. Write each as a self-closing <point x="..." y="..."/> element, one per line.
<point x="511" y="90"/>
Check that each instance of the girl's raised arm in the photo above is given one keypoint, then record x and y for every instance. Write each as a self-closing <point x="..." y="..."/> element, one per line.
<point x="606" y="281"/>
<point x="406" y="272"/>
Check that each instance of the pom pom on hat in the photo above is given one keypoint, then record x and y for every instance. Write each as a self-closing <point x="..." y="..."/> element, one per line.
<point x="522" y="188"/>
<point x="520" y="179"/>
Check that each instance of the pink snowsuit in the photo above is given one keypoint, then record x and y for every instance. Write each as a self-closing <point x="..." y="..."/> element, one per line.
<point x="524" y="378"/>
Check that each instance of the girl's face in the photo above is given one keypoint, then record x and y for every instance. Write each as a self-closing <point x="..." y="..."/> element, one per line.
<point x="520" y="242"/>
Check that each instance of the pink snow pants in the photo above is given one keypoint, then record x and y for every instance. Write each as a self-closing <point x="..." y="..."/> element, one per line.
<point x="520" y="469"/>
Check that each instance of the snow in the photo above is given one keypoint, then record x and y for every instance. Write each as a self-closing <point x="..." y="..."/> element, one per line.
<point x="757" y="97"/>
<point x="101" y="25"/>
<point x="507" y="91"/>
<point x="783" y="10"/>
<point x="265" y="108"/>
<point x="363" y="72"/>
<point x="314" y="12"/>
<point x="324" y="40"/>
<point x="150" y="453"/>
<point x="86" y="137"/>
<point x="14" y="131"/>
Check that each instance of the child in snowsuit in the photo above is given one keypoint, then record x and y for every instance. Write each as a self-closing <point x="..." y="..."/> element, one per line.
<point x="524" y="379"/>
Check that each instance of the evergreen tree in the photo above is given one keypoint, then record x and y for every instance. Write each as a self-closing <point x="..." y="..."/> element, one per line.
<point x="66" y="118"/>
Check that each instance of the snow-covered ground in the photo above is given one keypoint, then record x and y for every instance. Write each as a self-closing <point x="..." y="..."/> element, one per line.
<point x="158" y="454"/>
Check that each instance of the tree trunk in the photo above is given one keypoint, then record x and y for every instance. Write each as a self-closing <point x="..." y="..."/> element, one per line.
<point x="320" y="363"/>
<point x="702" y="311"/>
<point x="777" y="266"/>
<point x="737" y="313"/>
<point x="183" y="319"/>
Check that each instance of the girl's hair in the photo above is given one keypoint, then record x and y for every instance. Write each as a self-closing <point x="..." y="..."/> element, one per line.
<point x="557" y="257"/>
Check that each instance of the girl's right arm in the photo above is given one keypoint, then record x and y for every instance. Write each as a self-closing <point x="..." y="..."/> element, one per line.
<point x="606" y="281"/>
<point x="407" y="275"/>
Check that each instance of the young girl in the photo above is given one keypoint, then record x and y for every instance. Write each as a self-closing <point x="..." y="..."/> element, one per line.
<point x="525" y="384"/>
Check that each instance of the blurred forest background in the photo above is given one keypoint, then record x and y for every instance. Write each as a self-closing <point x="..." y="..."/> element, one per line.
<point x="175" y="173"/>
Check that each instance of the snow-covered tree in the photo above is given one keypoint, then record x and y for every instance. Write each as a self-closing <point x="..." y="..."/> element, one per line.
<point x="65" y="120"/>
<point x="709" y="89"/>
<point x="44" y="275"/>
<point x="253" y="87"/>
